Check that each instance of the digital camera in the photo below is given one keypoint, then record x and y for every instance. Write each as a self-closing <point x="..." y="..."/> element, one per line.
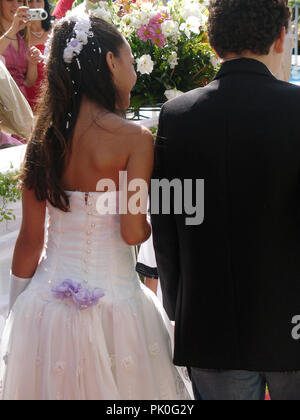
<point x="37" y="14"/>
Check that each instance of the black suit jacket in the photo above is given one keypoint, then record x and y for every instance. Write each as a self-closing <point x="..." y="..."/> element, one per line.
<point x="233" y="283"/>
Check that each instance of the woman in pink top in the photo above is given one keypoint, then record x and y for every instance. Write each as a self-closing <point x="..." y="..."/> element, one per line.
<point x="20" y="60"/>
<point x="39" y="33"/>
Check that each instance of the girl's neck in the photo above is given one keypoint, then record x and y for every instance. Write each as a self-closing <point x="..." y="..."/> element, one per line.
<point x="36" y="26"/>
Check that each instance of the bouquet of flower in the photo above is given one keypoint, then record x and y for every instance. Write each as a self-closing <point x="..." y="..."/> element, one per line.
<point x="169" y="42"/>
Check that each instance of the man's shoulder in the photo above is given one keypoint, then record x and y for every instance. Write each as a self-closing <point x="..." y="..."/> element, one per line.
<point x="288" y="95"/>
<point x="288" y="88"/>
<point x="186" y="102"/>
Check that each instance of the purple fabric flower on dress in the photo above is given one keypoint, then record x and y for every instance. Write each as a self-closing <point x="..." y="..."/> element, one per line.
<point x="66" y="289"/>
<point x="82" y="297"/>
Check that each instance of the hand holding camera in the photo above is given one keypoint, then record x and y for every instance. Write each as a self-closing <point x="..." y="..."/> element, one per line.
<point x="23" y="16"/>
<point x="20" y="20"/>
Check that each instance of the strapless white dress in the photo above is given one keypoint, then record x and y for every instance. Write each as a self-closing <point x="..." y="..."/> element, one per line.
<point x="118" y="349"/>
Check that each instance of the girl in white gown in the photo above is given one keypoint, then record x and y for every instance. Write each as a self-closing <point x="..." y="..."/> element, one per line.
<point x="81" y="324"/>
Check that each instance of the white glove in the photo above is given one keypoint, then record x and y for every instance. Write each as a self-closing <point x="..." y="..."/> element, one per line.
<point x="17" y="286"/>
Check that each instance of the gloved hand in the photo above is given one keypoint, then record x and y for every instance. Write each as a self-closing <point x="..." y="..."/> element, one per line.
<point x="17" y="286"/>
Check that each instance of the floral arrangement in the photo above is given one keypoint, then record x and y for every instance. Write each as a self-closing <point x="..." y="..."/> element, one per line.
<point x="82" y="297"/>
<point x="169" y="42"/>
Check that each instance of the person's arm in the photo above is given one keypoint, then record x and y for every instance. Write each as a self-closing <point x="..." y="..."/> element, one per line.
<point x="135" y="228"/>
<point x="152" y="284"/>
<point x="19" y="22"/>
<point x="29" y="246"/>
<point x="30" y="242"/>
<point x="164" y="231"/>
<point x="33" y="58"/>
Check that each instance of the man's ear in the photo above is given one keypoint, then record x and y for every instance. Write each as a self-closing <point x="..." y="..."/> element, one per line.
<point x="279" y="43"/>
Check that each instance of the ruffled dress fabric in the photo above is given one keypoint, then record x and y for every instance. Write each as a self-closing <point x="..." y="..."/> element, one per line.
<point x="118" y="349"/>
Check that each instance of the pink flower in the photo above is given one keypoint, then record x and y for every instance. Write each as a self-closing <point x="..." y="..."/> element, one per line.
<point x="160" y="18"/>
<point x="160" y="41"/>
<point x="153" y="32"/>
<point x="143" y="33"/>
<point x="156" y="35"/>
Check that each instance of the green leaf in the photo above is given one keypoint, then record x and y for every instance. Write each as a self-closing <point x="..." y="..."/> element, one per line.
<point x="9" y="193"/>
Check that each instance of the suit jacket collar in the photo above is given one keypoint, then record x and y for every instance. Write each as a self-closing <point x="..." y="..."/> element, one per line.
<point x="243" y="65"/>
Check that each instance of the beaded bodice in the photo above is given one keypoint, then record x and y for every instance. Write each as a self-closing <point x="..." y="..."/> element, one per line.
<point x="87" y="247"/>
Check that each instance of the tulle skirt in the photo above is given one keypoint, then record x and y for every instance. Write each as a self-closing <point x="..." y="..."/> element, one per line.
<point x="117" y="350"/>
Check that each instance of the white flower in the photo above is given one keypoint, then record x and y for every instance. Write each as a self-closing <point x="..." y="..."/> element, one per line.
<point x="185" y="29"/>
<point x="136" y="23"/>
<point x="126" y="19"/>
<point x="173" y="60"/>
<point x="147" y="7"/>
<point x="82" y="37"/>
<point x="173" y="93"/>
<point x="145" y="64"/>
<point x="127" y="31"/>
<point x="143" y="14"/>
<point x="68" y="55"/>
<point x="169" y="28"/>
<point x="192" y="25"/>
<point x="102" y="12"/>
<point x="191" y="9"/>
<point x="82" y="24"/>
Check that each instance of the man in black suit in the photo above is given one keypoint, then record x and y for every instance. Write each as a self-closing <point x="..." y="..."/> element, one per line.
<point x="232" y="282"/>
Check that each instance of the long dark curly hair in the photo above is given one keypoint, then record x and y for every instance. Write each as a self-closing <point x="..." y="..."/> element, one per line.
<point x="236" y="26"/>
<point x="60" y="105"/>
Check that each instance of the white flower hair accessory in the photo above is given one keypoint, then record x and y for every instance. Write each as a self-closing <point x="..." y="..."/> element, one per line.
<point x="82" y="32"/>
<point x="80" y="37"/>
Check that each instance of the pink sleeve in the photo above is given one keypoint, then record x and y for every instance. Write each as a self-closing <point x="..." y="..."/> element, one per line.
<point x="62" y="7"/>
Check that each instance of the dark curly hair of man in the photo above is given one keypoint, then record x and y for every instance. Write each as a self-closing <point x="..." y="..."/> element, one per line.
<point x="236" y="26"/>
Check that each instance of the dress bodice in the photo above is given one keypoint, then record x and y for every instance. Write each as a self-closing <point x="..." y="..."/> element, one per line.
<point x="87" y="247"/>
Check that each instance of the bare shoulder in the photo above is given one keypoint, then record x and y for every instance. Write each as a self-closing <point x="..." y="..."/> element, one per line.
<point x="123" y="127"/>
<point x="140" y="138"/>
<point x="129" y="137"/>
